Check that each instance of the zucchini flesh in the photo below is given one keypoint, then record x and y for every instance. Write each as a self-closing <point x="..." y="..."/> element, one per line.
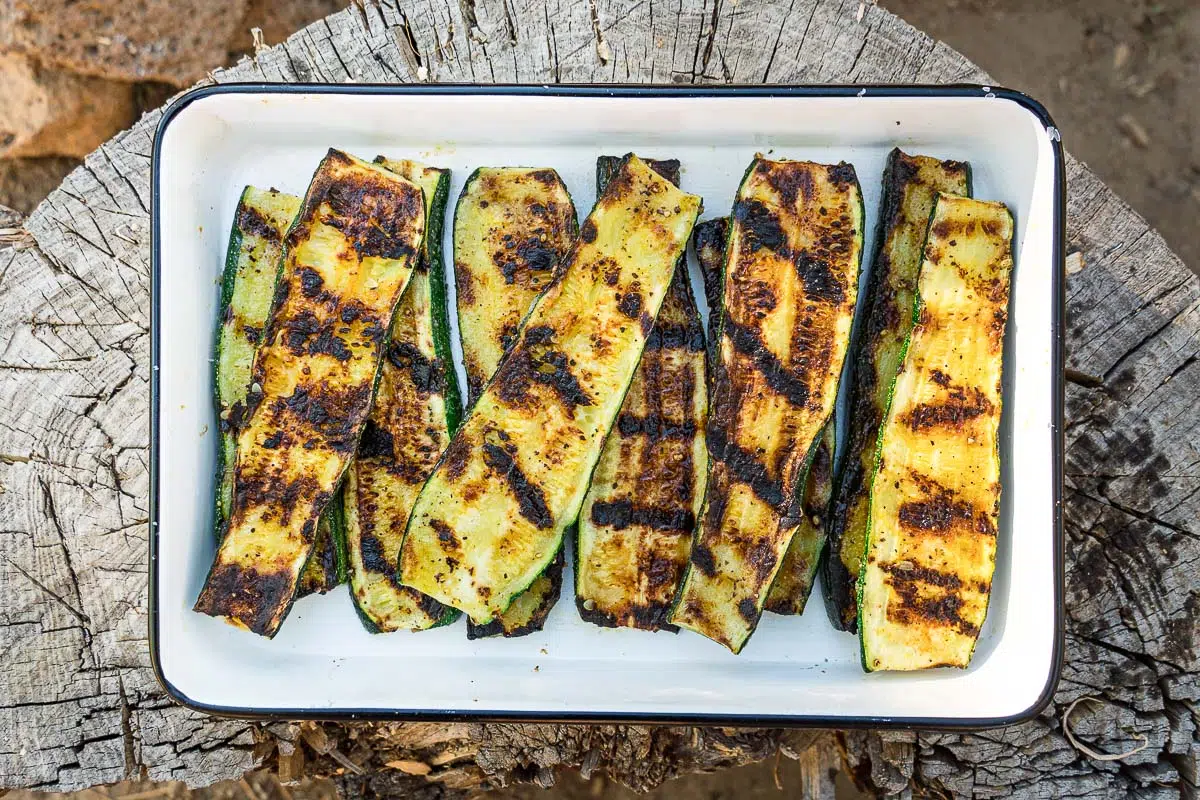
<point x="794" y="582"/>
<point x="634" y="530"/>
<point x="348" y="257"/>
<point x="513" y="229"/>
<point x="492" y="516"/>
<point x="910" y="184"/>
<point x="247" y="289"/>
<point x="415" y="412"/>
<point x="788" y="294"/>
<point x="935" y="497"/>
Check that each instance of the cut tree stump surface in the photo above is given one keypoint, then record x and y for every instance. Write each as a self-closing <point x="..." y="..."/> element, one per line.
<point x="78" y="702"/>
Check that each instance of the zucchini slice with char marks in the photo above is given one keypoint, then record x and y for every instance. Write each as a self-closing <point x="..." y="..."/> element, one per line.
<point x="513" y="229"/>
<point x="910" y="184"/>
<point x="798" y="574"/>
<point x="794" y="583"/>
<point x="635" y="527"/>
<point x="790" y="282"/>
<point x="348" y="257"/>
<point x="935" y="497"/>
<point x="252" y="263"/>
<point x="415" y="412"/>
<point x="491" y="517"/>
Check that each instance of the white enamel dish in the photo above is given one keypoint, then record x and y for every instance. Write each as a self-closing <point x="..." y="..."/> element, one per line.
<point x="795" y="670"/>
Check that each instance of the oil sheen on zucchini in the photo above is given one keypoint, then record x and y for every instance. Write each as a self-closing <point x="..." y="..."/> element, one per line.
<point x="247" y="290"/>
<point x="492" y="516"/>
<point x="415" y="412"/>
<point x="348" y="256"/>
<point x="790" y="282"/>
<point x="513" y="228"/>
<point x="910" y="184"/>
<point x="935" y="496"/>
<point x="635" y="527"/>
<point x="793" y="585"/>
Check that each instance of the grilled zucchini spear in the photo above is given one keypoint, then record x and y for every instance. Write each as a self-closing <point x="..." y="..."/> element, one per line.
<point x="790" y="282"/>
<point x="513" y="228"/>
<point x="635" y="528"/>
<point x="935" y="497"/>
<point x="492" y="516"/>
<point x="348" y="257"/>
<point x="247" y="290"/>
<point x="793" y="585"/>
<point x="910" y="184"/>
<point x="416" y="410"/>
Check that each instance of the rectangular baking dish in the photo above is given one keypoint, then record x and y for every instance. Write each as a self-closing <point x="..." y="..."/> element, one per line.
<point x="795" y="670"/>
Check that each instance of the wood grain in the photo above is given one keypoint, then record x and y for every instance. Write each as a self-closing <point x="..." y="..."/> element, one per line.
<point x="78" y="699"/>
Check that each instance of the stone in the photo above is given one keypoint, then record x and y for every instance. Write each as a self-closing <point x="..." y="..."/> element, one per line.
<point x="175" y="41"/>
<point x="46" y="112"/>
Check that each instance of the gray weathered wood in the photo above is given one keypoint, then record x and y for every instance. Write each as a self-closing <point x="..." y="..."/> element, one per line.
<point x="77" y="698"/>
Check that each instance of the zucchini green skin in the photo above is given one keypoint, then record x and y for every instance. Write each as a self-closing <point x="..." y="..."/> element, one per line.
<point x="247" y="288"/>
<point x="790" y="284"/>
<point x="513" y="230"/>
<point x="790" y="592"/>
<point x="415" y="412"/>
<point x="910" y="184"/>
<point x="493" y="514"/>
<point x="798" y="574"/>
<point x="634" y="530"/>
<point x="934" y="499"/>
<point x="348" y="256"/>
<point x="327" y="567"/>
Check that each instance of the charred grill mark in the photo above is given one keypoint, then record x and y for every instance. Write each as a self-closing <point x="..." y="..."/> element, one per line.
<point x="464" y="283"/>
<point x="333" y="412"/>
<point x="760" y="227"/>
<point x="744" y="467"/>
<point x="306" y="334"/>
<point x="960" y="406"/>
<point x="670" y="336"/>
<point x="748" y="609"/>
<point x="843" y="174"/>
<point x="761" y="556"/>
<point x="702" y="558"/>
<point x="446" y="536"/>
<point x="252" y="221"/>
<point x="622" y="514"/>
<point x="530" y="498"/>
<point x="243" y="593"/>
<point x="374" y="212"/>
<point x="548" y="587"/>
<point x="253" y="334"/>
<point x="535" y="361"/>
<point x="375" y="442"/>
<point x="942" y="607"/>
<point x="587" y="233"/>
<point x="268" y="485"/>
<point x="630" y="304"/>
<point x="654" y="427"/>
<point x="783" y="381"/>
<point x="310" y="281"/>
<point x="939" y="377"/>
<point x="373" y="557"/>
<point x="457" y="454"/>
<point x="820" y="280"/>
<point x="426" y="374"/>
<point x="792" y="182"/>
<point x="273" y="441"/>
<point x="943" y="511"/>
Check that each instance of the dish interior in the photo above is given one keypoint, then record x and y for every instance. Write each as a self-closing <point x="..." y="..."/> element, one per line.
<point x="323" y="661"/>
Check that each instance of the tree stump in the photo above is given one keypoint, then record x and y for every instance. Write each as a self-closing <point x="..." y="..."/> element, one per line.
<point x="78" y="701"/>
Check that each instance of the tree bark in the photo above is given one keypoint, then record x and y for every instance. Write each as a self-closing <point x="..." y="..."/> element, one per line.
<point x="78" y="699"/>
